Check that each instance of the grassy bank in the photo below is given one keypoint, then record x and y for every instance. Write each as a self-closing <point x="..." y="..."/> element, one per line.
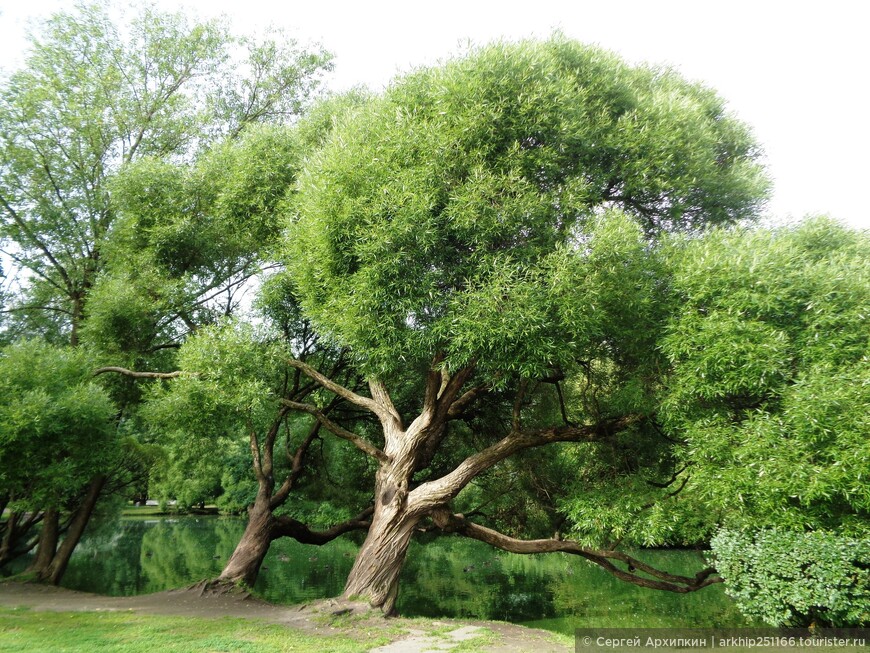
<point x="26" y="631"/>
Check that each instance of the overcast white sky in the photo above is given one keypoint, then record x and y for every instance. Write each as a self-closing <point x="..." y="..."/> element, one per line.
<point x="795" y="71"/>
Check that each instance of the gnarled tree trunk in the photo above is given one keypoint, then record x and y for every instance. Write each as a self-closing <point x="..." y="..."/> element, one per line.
<point x="399" y="507"/>
<point x="375" y="573"/>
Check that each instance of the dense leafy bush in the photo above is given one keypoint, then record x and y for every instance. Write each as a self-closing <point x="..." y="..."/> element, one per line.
<point x="798" y="579"/>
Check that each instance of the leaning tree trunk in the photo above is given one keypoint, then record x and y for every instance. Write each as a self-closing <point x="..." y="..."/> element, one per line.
<point x="55" y="571"/>
<point x="243" y="566"/>
<point x="375" y="573"/>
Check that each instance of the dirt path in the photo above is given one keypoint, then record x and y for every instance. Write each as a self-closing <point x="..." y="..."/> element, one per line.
<point x="420" y="636"/>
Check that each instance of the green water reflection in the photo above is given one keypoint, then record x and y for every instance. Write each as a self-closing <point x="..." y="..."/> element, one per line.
<point x="448" y="577"/>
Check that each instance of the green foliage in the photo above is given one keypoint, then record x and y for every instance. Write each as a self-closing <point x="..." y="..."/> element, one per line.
<point x="210" y="214"/>
<point x="188" y="239"/>
<point x="771" y="375"/>
<point x="56" y="428"/>
<point x="796" y="579"/>
<point x="205" y="417"/>
<point x="438" y="217"/>
<point x="95" y="95"/>
<point x="758" y="388"/>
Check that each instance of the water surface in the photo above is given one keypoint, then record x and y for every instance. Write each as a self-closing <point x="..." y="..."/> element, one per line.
<point x="447" y="577"/>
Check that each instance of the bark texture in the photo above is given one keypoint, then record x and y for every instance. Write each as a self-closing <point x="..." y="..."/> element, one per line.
<point x="247" y="558"/>
<point x="400" y="504"/>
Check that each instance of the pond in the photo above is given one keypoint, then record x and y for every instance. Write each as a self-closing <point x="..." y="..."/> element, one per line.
<point x="446" y="577"/>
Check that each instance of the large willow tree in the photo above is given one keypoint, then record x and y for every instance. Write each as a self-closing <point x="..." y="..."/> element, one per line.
<point x="482" y="232"/>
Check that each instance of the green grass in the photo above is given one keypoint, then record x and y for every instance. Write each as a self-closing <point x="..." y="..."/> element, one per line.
<point x="26" y="631"/>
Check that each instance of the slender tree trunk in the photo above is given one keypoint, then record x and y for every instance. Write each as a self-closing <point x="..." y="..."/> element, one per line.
<point x="47" y="547"/>
<point x="244" y="565"/>
<point x="7" y="544"/>
<point x="77" y="306"/>
<point x="75" y="531"/>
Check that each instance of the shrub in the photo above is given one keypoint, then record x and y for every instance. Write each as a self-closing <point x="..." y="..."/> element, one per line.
<point x="796" y="579"/>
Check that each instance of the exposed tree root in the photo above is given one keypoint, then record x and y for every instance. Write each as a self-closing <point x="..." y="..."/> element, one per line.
<point x="218" y="587"/>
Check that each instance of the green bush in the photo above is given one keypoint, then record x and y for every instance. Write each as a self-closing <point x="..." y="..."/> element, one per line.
<point x="796" y="579"/>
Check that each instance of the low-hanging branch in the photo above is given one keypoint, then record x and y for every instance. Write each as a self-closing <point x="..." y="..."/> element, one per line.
<point x="360" y="443"/>
<point x="289" y="527"/>
<point x="661" y="580"/>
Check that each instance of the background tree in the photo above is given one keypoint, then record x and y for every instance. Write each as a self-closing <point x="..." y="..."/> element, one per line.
<point x="59" y="447"/>
<point x="236" y="389"/>
<point x="189" y="241"/>
<point x="761" y="421"/>
<point x="486" y="226"/>
<point x="95" y="96"/>
<point x="769" y="390"/>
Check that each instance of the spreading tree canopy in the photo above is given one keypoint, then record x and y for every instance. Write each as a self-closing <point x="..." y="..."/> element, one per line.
<point x="437" y="216"/>
<point x="480" y="233"/>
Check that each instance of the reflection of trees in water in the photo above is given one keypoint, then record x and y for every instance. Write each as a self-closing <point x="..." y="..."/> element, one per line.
<point x="463" y="578"/>
<point x="144" y="556"/>
<point x="107" y="561"/>
<point x="450" y="577"/>
<point x="594" y="598"/>
<point x="294" y="572"/>
<point x="175" y="554"/>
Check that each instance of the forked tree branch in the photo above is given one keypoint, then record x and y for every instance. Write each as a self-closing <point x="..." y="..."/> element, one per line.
<point x="279" y="497"/>
<point x="434" y="493"/>
<point x="365" y="402"/>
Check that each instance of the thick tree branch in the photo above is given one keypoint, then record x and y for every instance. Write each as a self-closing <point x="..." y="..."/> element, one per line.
<point x="139" y="375"/>
<point x="660" y="580"/>
<point x="255" y="454"/>
<point x="288" y="527"/>
<point x="340" y="390"/>
<point x="436" y="378"/>
<point x="429" y="495"/>
<point x="360" y="443"/>
<point x="382" y="397"/>
<point x="269" y="442"/>
<point x="458" y="407"/>
<point x="283" y="492"/>
<point x="450" y="390"/>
